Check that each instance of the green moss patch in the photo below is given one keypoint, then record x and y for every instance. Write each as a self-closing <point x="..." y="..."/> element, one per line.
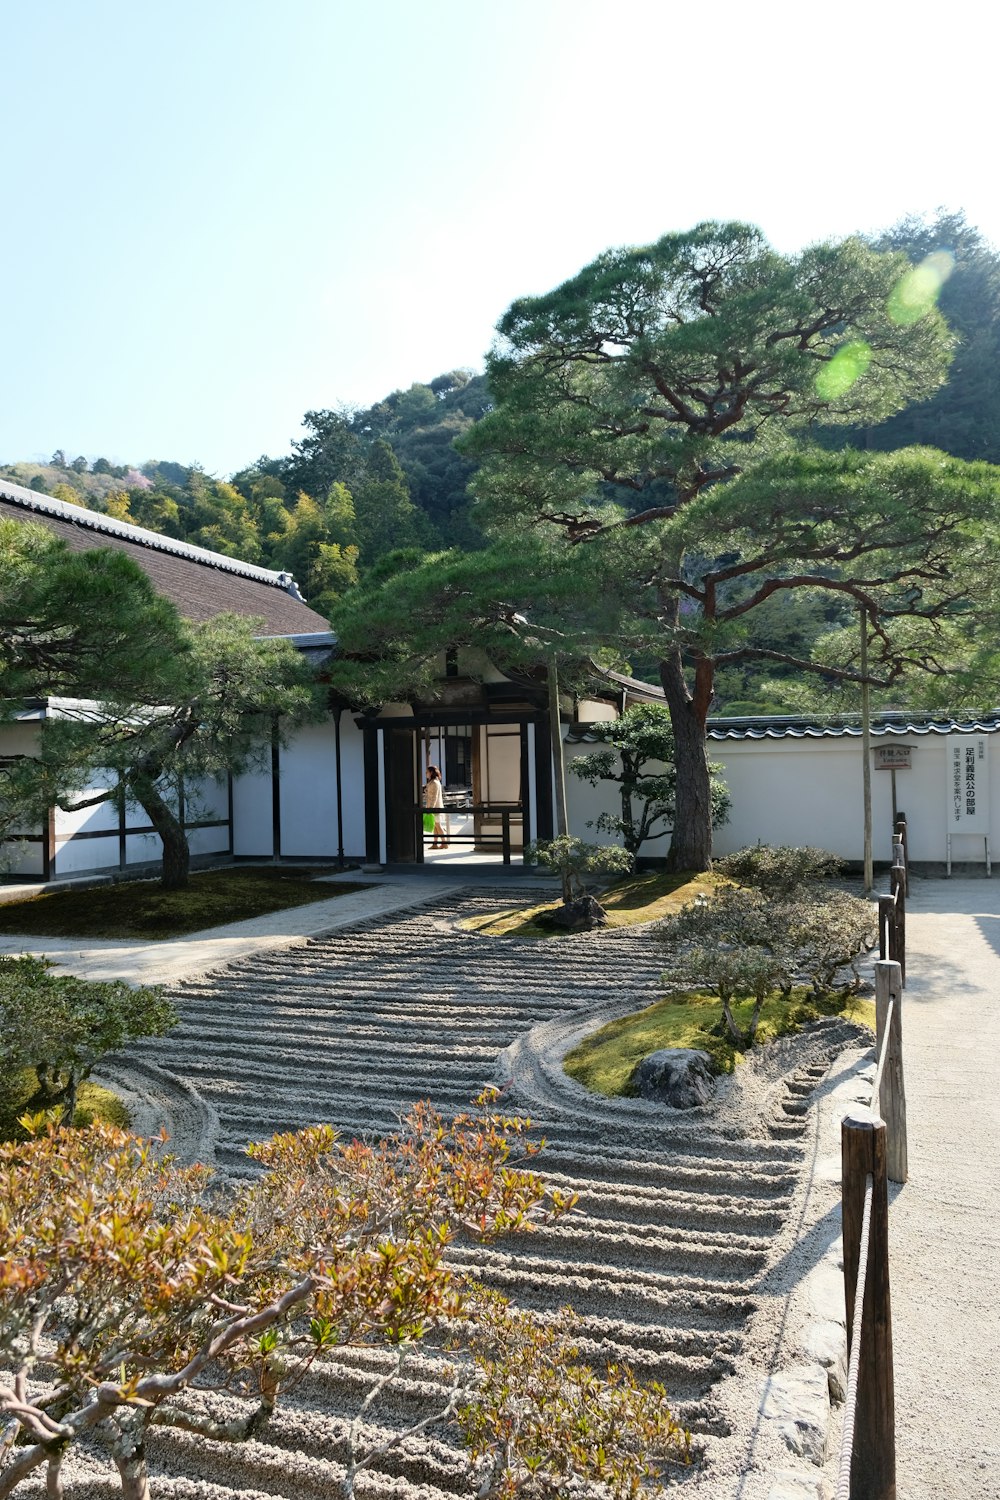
<point x="94" y="1105"/>
<point x="640" y="898"/>
<point x="143" y="909"/>
<point x="604" y="1063"/>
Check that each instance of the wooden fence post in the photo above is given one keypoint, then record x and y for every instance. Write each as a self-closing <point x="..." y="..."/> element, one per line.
<point x="873" y="1461"/>
<point x="897" y="942"/>
<point x="892" y="1095"/>
<point x="901" y="831"/>
<point x="885" y="919"/>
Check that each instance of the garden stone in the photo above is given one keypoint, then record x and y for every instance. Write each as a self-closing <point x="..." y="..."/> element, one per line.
<point x="679" y="1076"/>
<point x="579" y="915"/>
<point x="791" y="1486"/>
<point x="826" y="1344"/>
<point x="798" y="1400"/>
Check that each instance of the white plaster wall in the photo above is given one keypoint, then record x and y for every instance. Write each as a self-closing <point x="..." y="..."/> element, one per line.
<point x="252" y="835"/>
<point x="103" y="817"/>
<point x="810" y="792"/>
<point x="76" y="855"/>
<point x="308" y="770"/>
<point x="501" y="763"/>
<point x="21" y="859"/>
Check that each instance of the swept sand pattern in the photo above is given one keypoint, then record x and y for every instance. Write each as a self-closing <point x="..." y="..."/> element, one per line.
<point x="679" y="1217"/>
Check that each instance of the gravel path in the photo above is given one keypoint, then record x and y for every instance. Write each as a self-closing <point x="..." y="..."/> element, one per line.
<point x="679" y="1220"/>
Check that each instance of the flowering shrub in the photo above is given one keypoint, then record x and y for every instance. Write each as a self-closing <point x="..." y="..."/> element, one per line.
<point x="141" y="1291"/>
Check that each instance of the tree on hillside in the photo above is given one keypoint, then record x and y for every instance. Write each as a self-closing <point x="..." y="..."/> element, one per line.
<point x="962" y="417"/>
<point x="156" y="698"/>
<point x="648" y="409"/>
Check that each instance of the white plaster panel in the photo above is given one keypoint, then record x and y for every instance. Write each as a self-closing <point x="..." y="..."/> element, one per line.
<point x="87" y="854"/>
<point x="309" y="790"/>
<point x="21" y="859"/>
<point x="19" y="739"/>
<point x="103" y="817"/>
<point x="207" y="798"/>
<point x="502" y="764"/>
<point x="252" y="826"/>
<point x="208" y="840"/>
<point x="140" y="848"/>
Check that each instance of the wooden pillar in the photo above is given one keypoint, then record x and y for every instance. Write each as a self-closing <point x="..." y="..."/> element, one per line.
<point x="873" y="1464"/>
<point x="892" y="1095"/>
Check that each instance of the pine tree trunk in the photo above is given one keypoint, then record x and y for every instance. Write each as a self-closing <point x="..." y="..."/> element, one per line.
<point x="176" y="854"/>
<point x="691" y="840"/>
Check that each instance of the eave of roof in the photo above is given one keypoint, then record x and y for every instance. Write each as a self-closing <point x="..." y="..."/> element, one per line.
<point x="845" y="726"/>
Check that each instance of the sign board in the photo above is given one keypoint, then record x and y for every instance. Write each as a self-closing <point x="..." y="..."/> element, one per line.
<point x="893" y="757"/>
<point x="968" y="784"/>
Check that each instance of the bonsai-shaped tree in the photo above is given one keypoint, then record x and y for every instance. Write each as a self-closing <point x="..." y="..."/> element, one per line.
<point x="639" y="756"/>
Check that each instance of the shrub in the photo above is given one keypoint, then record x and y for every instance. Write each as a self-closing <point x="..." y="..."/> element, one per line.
<point x="780" y="870"/>
<point x="746" y="943"/>
<point x="142" y="1291"/>
<point x="734" y="974"/>
<point x="61" y="1026"/>
<point x="576" y="862"/>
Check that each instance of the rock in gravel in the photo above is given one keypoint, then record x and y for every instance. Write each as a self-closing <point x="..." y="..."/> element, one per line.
<point x="826" y="1343"/>
<point x="788" y="1485"/>
<point x="679" y="1076"/>
<point x="581" y="915"/>
<point x="798" y="1400"/>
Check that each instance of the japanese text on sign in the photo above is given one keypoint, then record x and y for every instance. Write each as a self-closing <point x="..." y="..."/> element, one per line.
<point x="968" y="786"/>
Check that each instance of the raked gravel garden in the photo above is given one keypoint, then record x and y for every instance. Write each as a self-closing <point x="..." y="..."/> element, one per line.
<point x="676" y="1259"/>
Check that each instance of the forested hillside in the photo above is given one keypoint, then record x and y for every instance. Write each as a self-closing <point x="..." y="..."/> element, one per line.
<point x="358" y="484"/>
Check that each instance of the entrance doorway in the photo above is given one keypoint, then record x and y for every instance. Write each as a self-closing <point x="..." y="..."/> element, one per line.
<point x="484" y="772"/>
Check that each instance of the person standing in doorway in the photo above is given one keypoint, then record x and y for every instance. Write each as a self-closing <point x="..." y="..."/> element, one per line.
<point x="434" y="802"/>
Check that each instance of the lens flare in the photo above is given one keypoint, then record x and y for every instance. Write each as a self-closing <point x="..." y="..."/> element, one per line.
<point x="916" y="292"/>
<point x="847" y="366"/>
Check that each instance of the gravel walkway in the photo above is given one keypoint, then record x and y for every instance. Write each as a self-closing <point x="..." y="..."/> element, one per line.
<point x="945" y="1222"/>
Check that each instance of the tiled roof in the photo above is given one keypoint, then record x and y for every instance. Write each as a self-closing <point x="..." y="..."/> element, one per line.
<point x="200" y="583"/>
<point x="891" y="725"/>
<point x="776" y="727"/>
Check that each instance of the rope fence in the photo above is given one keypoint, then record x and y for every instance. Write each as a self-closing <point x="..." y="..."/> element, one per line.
<point x="873" y="1152"/>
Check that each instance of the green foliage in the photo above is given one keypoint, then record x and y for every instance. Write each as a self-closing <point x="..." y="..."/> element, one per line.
<point x="517" y="605"/>
<point x="747" y="942"/>
<point x="642" y="739"/>
<point x="172" y="698"/>
<point x="577" y="862"/>
<point x="61" y="1026"/>
<point x="779" y="870"/>
<point x="650" y="408"/>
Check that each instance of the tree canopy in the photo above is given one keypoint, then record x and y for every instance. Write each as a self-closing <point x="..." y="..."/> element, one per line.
<point x="153" y="697"/>
<point x="656" y="407"/>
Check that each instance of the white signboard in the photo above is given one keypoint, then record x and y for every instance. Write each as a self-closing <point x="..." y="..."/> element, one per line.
<point x="968" y="784"/>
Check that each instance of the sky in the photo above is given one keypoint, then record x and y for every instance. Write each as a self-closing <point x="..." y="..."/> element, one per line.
<point x="222" y="214"/>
